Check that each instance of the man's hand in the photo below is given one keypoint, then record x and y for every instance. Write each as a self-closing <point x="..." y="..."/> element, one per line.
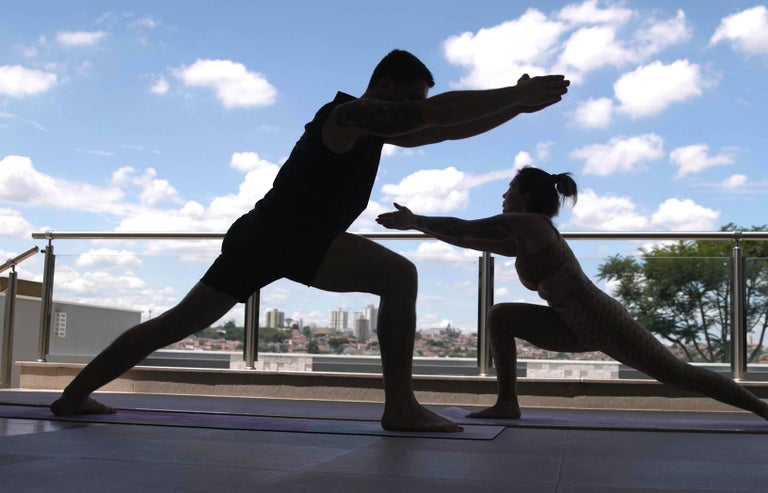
<point x="402" y="218"/>
<point x="537" y="93"/>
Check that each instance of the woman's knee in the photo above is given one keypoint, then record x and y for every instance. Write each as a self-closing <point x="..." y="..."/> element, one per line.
<point x="503" y="315"/>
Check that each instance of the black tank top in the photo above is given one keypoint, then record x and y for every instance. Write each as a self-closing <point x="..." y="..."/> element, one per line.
<point x="319" y="189"/>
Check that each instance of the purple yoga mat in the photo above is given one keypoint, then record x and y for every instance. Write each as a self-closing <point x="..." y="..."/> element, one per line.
<point x="196" y="419"/>
<point x="577" y="419"/>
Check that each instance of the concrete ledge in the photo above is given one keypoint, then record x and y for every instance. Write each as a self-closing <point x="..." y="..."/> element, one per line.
<point x="362" y="387"/>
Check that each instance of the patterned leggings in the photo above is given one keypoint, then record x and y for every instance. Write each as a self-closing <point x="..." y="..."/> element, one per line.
<point x="590" y="320"/>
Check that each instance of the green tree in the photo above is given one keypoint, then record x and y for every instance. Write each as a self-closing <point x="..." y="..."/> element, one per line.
<point x="682" y="292"/>
<point x="337" y="343"/>
<point x="272" y="335"/>
<point x="313" y="348"/>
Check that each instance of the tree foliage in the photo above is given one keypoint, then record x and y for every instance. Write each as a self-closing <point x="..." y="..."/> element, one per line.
<point x="682" y="292"/>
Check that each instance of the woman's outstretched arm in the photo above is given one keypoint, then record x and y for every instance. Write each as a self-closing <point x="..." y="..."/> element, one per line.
<point x="501" y="234"/>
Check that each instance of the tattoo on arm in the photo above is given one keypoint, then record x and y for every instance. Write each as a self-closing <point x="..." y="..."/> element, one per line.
<point x="380" y="117"/>
<point x="458" y="228"/>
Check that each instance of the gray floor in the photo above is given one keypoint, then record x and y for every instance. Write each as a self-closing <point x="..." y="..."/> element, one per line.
<point x="50" y="456"/>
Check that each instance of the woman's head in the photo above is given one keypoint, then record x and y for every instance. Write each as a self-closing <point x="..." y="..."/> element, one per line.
<point x="535" y="190"/>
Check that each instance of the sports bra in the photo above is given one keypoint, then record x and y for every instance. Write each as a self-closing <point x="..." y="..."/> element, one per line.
<point x="553" y="271"/>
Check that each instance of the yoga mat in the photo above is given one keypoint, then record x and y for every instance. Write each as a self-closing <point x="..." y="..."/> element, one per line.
<point x="197" y="419"/>
<point x="579" y="419"/>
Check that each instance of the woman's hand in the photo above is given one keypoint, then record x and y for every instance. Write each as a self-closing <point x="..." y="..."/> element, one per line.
<point x="402" y="218"/>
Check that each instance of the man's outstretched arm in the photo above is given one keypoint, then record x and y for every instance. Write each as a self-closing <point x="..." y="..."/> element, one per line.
<point x="467" y="129"/>
<point x="450" y="115"/>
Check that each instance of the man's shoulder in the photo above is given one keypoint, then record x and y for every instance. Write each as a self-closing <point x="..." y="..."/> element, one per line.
<point x="343" y="97"/>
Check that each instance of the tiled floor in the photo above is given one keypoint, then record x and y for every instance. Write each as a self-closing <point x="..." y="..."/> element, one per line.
<point x="49" y="456"/>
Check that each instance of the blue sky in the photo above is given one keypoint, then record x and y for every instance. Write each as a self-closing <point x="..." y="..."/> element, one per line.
<point x="149" y="116"/>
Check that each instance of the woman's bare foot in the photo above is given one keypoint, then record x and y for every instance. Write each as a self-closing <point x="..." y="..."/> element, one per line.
<point x="65" y="407"/>
<point x="502" y="410"/>
<point x="415" y="417"/>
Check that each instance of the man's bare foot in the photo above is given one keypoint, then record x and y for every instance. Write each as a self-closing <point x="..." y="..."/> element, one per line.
<point x="502" y="410"/>
<point x="64" y="407"/>
<point x="416" y="417"/>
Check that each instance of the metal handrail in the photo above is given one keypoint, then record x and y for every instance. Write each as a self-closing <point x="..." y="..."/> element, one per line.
<point x="9" y="318"/>
<point x="739" y="335"/>
<point x="12" y="262"/>
<point x="568" y="235"/>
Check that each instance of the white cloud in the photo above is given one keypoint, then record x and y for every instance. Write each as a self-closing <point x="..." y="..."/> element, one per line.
<point x="499" y="55"/>
<point x="735" y="181"/>
<point x="543" y="150"/>
<point x="658" y="35"/>
<point x="160" y="86"/>
<point x="651" y="88"/>
<point x="250" y="161"/>
<point x="439" y="190"/>
<point x="590" y="12"/>
<point x="367" y="220"/>
<point x="590" y="48"/>
<point x="13" y="225"/>
<point x="221" y="211"/>
<point x="620" y="154"/>
<point x="107" y="258"/>
<point x="11" y="116"/>
<point x="580" y="38"/>
<point x="745" y="31"/>
<point x="153" y="190"/>
<point x="501" y="292"/>
<point x="94" y="282"/>
<point x="685" y="215"/>
<point x="145" y="23"/>
<point x="17" y="81"/>
<point x="80" y="38"/>
<point x="125" y="290"/>
<point x="21" y="183"/>
<point x="390" y="150"/>
<point x="694" y="159"/>
<point x="430" y="190"/>
<point x="612" y="213"/>
<point x="233" y="83"/>
<point x="607" y="213"/>
<point x="437" y="250"/>
<point x="522" y="159"/>
<point x="594" y="113"/>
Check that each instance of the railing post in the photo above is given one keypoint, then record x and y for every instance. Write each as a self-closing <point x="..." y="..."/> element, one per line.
<point x="46" y="302"/>
<point x="10" y="302"/>
<point x="738" y="314"/>
<point x="485" y="302"/>
<point x="251" y="339"/>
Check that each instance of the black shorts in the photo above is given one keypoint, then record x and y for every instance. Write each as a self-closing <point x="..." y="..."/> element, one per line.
<point x="259" y="249"/>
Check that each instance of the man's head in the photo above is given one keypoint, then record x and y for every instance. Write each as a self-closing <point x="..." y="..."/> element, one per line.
<point x="400" y="75"/>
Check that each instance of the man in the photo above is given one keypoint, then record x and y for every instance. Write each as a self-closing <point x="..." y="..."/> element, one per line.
<point x="298" y="230"/>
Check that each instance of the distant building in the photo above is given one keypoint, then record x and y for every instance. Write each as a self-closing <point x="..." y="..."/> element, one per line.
<point x="339" y="320"/>
<point x="361" y="327"/>
<point x="372" y="314"/>
<point x="78" y="331"/>
<point x="294" y="323"/>
<point x="275" y="318"/>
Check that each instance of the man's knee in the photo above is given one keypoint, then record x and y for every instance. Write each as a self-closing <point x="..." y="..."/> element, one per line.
<point x="403" y="277"/>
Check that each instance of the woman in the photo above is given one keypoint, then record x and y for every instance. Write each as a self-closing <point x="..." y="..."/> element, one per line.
<point x="579" y="316"/>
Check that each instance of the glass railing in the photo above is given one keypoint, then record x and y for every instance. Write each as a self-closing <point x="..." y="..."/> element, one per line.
<point x="285" y="325"/>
